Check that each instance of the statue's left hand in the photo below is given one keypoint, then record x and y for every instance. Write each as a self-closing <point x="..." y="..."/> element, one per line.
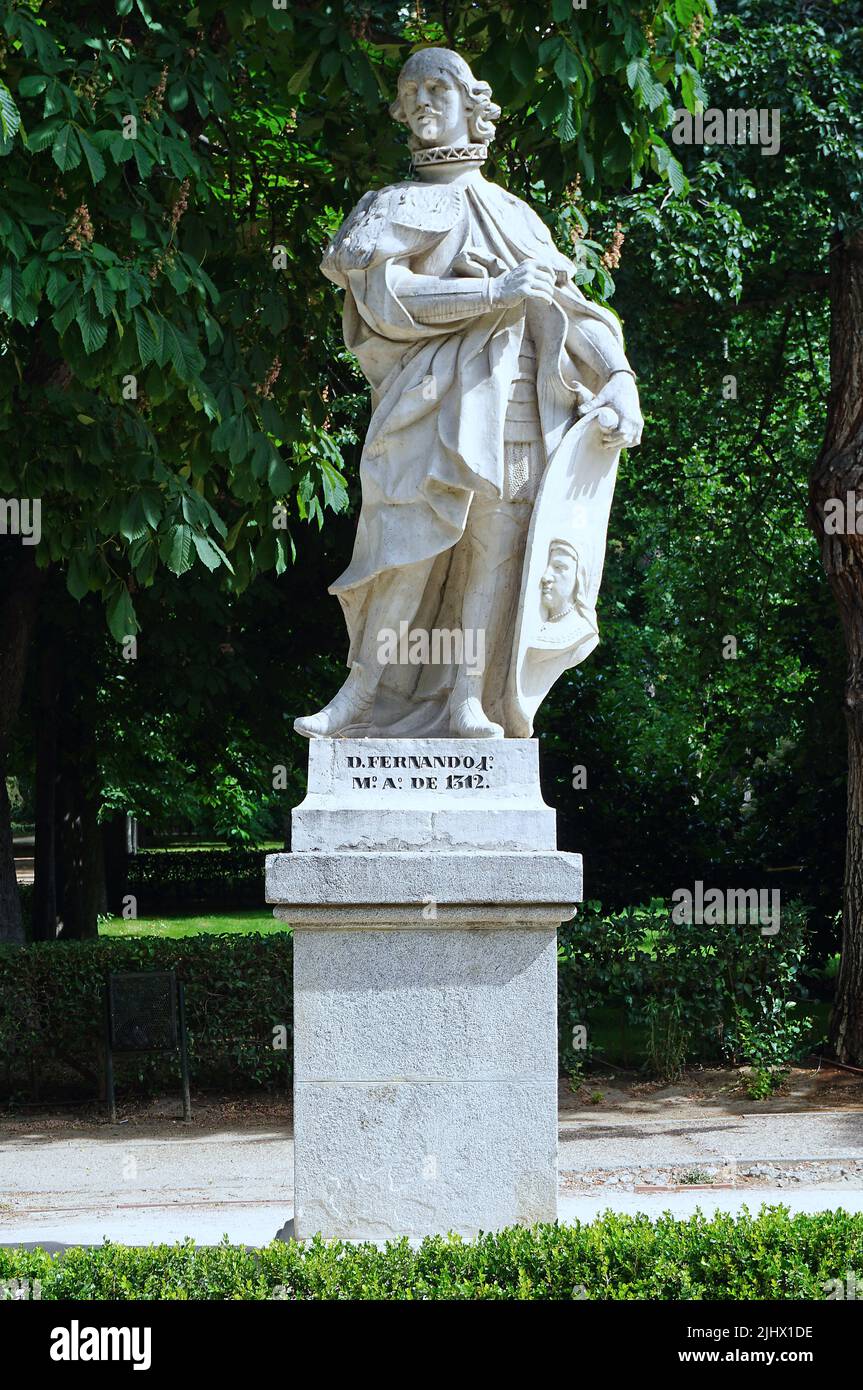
<point x="621" y="394"/>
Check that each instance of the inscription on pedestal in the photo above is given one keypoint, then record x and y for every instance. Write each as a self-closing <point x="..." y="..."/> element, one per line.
<point x="433" y="793"/>
<point x="430" y="772"/>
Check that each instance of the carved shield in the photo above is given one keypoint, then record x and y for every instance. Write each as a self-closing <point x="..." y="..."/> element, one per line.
<point x="570" y="518"/>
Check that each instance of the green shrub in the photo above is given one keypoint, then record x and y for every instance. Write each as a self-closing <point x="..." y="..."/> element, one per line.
<point x="771" y="1255"/>
<point x="702" y="992"/>
<point x="165" y="879"/>
<point x="238" y="989"/>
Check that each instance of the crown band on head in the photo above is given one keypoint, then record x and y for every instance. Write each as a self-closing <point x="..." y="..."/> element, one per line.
<point x="450" y="154"/>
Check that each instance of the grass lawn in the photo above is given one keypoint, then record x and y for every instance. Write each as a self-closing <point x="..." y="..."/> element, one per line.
<point x="193" y="924"/>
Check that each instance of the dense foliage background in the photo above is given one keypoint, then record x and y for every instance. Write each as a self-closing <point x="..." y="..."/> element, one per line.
<point x="187" y="259"/>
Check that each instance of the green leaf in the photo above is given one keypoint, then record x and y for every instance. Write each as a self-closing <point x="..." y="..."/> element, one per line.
<point x="566" y="128"/>
<point x="134" y="523"/>
<point x="120" y="612"/>
<point x="297" y="82"/>
<point x="180" y="549"/>
<point x="104" y="296"/>
<point x="78" y="574"/>
<point x="11" y="289"/>
<point x="568" y="67"/>
<point x="66" y="150"/>
<point x="523" y="63"/>
<point x="553" y="105"/>
<point x="676" y="176"/>
<point x="208" y="553"/>
<point x="9" y="119"/>
<point x="549" y="49"/>
<point x="686" y="10"/>
<point x="178" y="95"/>
<point x="32" y="86"/>
<point x="94" y="333"/>
<point x="281" y="559"/>
<point x="185" y="356"/>
<point x="95" y="161"/>
<point x="67" y="309"/>
<point x="143" y="158"/>
<point x="151" y="503"/>
<point x="41" y="135"/>
<point x="146" y="339"/>
<point x="279" y="474"/>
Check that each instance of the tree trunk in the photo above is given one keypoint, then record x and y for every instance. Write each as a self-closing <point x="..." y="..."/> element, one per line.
<point x="838" y="472"/>
<point x="81" y="871"/>
<point x="45" y="885"/>
<point x="115" y="842"/>
<point x="19" y="591"/>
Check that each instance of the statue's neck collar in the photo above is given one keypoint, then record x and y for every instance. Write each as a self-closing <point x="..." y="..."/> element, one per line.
<point x="449" y="154"/>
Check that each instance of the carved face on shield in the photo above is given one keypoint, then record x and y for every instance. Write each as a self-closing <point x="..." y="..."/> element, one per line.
<point x="559" y="583"/>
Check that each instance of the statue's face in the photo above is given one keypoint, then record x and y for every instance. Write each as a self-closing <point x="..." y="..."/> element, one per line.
<point x="434" y="107"/>
<point x="559" y="580"/>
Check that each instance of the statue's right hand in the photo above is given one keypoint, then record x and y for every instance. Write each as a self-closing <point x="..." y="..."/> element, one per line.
<point x="531" y="280"/>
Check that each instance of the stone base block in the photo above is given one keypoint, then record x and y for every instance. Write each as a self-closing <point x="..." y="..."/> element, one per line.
<point x="425" y="890"/>
<point x="425" y="1092"/>
<point x="387" y="1159"/>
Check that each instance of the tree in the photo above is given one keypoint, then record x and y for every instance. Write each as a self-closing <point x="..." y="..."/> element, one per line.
<point x="159" y="408"/>
<point x="836" y="476"/>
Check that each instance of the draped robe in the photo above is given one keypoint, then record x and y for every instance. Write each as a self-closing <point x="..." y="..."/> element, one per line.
<point x="439" y="400"/>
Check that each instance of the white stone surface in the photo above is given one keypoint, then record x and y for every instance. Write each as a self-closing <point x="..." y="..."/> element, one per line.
<point x="425" y="991"/>
<point x="501" y="399"/>
<point x="428" y="794"/>
<point x="382" y="1159"/>
<point x="425" y="1081"/>
<point x="425" y="1006"/>
<point x="395" y="878"/>
<point x="435" y="915"/>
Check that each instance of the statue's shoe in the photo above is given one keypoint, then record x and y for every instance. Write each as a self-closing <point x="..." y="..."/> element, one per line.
<point x="344" y="709"/>
<point x="468" y="720"/>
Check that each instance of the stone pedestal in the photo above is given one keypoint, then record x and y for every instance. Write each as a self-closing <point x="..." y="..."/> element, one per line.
<point x="425" y="890"/>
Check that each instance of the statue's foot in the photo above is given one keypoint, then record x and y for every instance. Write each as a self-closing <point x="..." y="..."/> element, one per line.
<point x="468" y="720"/>
<point x="350" y="706"/>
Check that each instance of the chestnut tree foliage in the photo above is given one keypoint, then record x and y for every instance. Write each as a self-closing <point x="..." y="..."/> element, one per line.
<point x="172" y="383"/>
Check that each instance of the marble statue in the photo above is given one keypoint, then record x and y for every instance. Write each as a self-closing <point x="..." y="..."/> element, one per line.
<point x="501" y="398"/>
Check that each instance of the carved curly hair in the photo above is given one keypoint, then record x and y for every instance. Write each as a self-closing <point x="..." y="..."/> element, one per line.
<point x="482" y="112"/>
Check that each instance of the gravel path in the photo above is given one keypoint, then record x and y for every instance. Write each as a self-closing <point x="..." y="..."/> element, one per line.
<point x="154" y="1179"/>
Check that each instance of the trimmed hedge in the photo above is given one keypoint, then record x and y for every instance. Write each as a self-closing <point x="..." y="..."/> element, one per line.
<point x="771" y="1255"/>
<point x="238" y="990"/>
<point x="699" y="993"/>
<point x="166" y="879"/>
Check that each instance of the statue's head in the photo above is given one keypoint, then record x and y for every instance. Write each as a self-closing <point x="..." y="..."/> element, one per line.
<point x="442" y="102"/>
<point x="559" y="581"/>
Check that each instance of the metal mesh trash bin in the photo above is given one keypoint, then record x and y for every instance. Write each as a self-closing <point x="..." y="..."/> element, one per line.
<point x="145" y="1012"/>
